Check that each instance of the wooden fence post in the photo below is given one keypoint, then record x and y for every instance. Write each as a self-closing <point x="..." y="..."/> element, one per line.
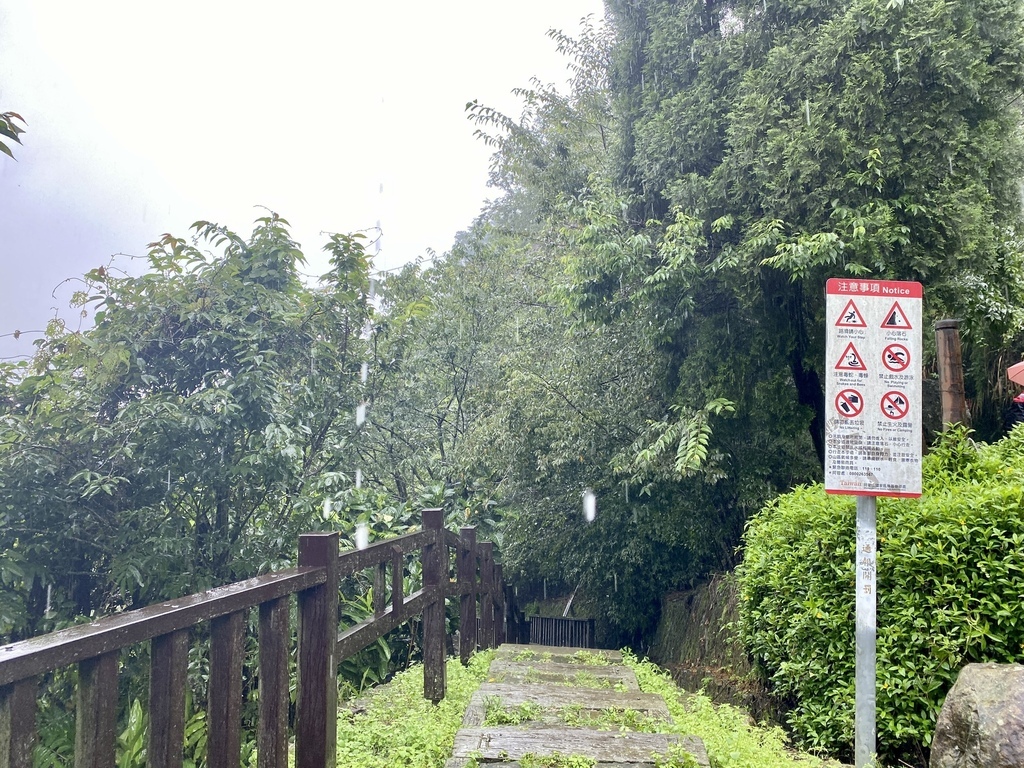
<point x="272" y="744"/>
<point x="951" y="373"/>
<point x="224" y="706"/>
<point x="96" y="712"/>
<point x="434" y="673"/>
<point x="316" y="707"/>
<point x="18" y="723"/>
<point x="467" y="588"/>
<point x="487" y="595"/>
<point x="168" y="667"/>
<point x="499" y="605"/>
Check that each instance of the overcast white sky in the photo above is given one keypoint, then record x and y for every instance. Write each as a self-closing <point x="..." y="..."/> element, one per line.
<point x="143" y="117"/>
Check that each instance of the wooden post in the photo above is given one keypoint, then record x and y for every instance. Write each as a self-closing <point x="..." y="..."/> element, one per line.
<point x="18" y="723"/>
<point x="317" y="698"/>
<point x="224" y="709"/>
<point x="499" y="605"/>
<point x="467" y="589"/>
<point x="380" y="581"/>
<point x="487" y="595"/>
<point x="96" y="712"/>
<point x="434" y="673"/>
<point x="168" y="668"/>
<point x="397" y="579"/>
<point x="272" y="744"/>
<point x="951" y="373"/>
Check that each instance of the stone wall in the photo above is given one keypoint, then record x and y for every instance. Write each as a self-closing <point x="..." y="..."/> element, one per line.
<point x="695" y="642"/>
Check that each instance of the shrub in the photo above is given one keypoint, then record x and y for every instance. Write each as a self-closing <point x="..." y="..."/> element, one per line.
<point x="950" y="591"/>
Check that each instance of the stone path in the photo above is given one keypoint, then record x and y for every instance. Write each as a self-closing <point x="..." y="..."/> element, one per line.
<point x="542" y="701"/>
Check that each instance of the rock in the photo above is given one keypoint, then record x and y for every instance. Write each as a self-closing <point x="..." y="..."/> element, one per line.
<point x="981" y="724"/>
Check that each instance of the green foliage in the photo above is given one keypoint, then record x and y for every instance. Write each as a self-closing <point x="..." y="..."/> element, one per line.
<point x="10" y="129"/>
<point x="730" y="738"/>
<point x="495" y="713"/>
<point x="189" y="436"/>
<point x="950" y="569"/>
<point x="395" y="725"/>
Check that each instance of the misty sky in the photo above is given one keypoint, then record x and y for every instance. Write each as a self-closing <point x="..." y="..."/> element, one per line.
<point x="144" y="117"/>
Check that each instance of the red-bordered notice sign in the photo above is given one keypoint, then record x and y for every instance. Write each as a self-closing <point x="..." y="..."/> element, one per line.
<point x="873" y="387"/>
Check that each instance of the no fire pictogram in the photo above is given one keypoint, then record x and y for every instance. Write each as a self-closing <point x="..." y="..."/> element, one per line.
<point x="896" y="358"/>
<point x="851" y="317"/>
<point x="851" y="360"/>
<point x="895" y="405"/>
<point x="849" y="403"/>
<point x="896" y="317"/>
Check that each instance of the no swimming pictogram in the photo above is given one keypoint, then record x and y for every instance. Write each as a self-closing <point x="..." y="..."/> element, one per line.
<point x="851" y="360"/>
<point x="895" y="405"/>
<point x="849" y="403"/>
<point x="851" y="317"/>
<point x="896" y="317"/>
<point x="896" y="358"/>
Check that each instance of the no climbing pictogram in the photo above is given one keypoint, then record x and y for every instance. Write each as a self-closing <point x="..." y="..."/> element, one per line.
<point x="895" y="405"/>
<point x="896" y="358"/>
<point x="896" y="317"/>
<point x="849" y="403"/>
<point x="851" y="317"/>
<point x="851" y="360"/>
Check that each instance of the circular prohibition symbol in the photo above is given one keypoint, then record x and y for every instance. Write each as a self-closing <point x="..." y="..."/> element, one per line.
<point x="896" y="358"/>
<point x="894" y="405"/>
<point x="849" y="403"/>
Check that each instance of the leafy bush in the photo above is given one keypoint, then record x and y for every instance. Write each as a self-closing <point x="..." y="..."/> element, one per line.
<point x="728" y="735"/>
<point x="950" y="588"/>
<point x="395" y="725"/>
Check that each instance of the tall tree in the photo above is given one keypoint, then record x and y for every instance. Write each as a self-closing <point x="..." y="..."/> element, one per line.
<point x="188" y="436"/>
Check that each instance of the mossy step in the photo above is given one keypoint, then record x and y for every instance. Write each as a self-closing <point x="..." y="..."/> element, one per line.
<point x="580" y="675"/>
<point x="512" y="742"/>
<point x="520" y="652"/>
<point x="558" y="697"/>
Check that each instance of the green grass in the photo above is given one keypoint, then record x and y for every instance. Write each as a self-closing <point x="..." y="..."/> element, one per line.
<point x="730" y="739"/>
<point x="398" y="727"/>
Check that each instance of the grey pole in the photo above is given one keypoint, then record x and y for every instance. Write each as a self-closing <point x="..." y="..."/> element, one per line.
<point x="865" y="563"/>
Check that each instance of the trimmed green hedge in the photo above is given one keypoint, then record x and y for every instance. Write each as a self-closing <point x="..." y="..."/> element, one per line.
<point x="950" y="592"/>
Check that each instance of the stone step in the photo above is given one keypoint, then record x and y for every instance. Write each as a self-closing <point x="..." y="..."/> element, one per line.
<point x="558" y="697"/>
<point x="579" y="675"/>
<point x="521" y="652"/>
<point x="512" y="742"/>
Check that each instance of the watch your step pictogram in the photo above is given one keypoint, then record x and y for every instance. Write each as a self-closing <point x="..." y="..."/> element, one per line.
<point x="851" y="317"/>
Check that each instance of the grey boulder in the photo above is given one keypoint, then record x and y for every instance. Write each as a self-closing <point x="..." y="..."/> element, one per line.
<point x="981" y="724"/>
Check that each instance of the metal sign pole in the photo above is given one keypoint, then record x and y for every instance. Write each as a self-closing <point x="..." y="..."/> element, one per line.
<point x="865" y="563"/>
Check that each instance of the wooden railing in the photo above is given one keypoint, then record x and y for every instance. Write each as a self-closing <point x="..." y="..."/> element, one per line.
<point x="315" y="581"/>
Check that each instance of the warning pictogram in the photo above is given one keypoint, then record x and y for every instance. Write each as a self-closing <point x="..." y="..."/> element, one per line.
<point x="849" y="403"/>
<point x="896" y="317"/>
<point x="851" y="360"/>
<point x="851" y="317"/>
<point x="895" y="405"/>
<point x="896" y="358"/>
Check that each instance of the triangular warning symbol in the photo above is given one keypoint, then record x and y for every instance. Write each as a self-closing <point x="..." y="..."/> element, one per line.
<point x="895" y="317"/>
<point x="851" y="360"/>
<point x="851" y="317"/>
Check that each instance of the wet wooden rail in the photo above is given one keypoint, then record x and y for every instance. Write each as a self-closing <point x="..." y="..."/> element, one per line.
<point x="316" y="641"/>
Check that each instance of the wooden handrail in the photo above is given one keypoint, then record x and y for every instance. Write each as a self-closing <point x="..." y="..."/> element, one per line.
<point x="321" y="647"/>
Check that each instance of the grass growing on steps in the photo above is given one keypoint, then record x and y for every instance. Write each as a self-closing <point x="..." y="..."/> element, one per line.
<point x="398" y="727"/>
<point x="730" y="740"/>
